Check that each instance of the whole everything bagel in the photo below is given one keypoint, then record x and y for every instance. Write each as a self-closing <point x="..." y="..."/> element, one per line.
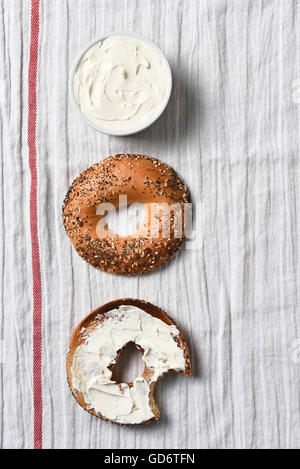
<point x="93" y="354"/>
<point x="142" y="180"/>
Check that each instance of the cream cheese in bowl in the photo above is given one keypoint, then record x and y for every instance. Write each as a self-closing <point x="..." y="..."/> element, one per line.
<point x="121" y="84"/>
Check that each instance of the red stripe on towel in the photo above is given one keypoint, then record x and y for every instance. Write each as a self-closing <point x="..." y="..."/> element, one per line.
<point x="36" y="268"/>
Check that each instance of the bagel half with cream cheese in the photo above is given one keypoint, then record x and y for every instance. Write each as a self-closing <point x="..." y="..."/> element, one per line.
<point x="94" y="349"/>
<point x="142" y="180"/>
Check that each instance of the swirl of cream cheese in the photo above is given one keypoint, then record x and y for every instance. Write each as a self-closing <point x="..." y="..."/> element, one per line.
<point x="120" y="83"/>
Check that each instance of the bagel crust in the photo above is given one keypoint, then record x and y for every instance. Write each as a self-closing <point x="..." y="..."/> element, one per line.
<point x="143" y="180"/>
<point x="80" y="339"/>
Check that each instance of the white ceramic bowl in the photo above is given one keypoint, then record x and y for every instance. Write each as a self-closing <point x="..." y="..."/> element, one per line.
<point x="145" y="124"/>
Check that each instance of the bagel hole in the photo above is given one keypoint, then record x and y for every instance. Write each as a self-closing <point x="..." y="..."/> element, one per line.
<point x="129" y="364"/>
<point x="126" y="220"/>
